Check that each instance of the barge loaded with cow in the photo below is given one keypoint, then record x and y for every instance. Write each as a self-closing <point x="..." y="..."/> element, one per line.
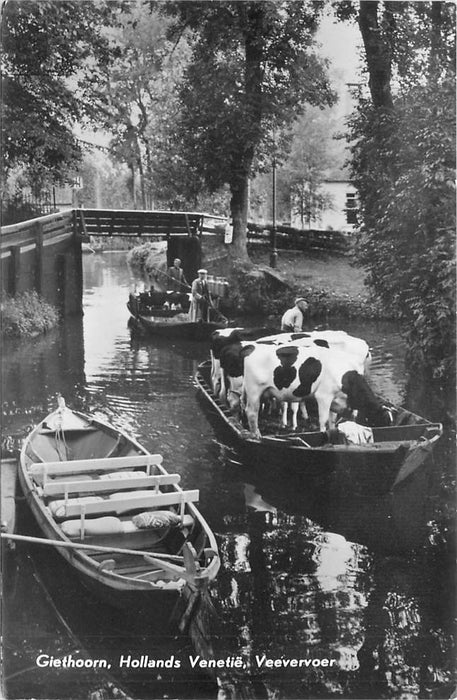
<point x="110" y="508"/>
<point x="344" y="427"/>
<point x="169" y="313"/>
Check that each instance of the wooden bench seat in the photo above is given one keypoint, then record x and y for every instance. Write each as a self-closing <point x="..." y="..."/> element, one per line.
<point x="141" y="480"/>
<point x="42" y="470"/>
<point x="124" y="503"/>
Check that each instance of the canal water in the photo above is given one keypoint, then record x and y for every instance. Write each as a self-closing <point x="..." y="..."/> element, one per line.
<point x="362" y="591"/>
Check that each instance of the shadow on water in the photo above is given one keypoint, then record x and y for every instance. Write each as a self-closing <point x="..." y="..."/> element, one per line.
<point x="304" y="575"/>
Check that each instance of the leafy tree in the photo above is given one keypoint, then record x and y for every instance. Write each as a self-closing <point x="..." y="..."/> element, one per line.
<point x="251" y="72"/>
<point x="314" y="153"/>
<point x="52" y="52"/>
<point x="404" y="168"/>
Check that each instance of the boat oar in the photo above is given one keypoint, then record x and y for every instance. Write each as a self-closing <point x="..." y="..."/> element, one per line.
<point x="157" y="559"/>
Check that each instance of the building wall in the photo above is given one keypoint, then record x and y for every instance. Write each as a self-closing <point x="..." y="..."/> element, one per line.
<point x="335" y="216"/>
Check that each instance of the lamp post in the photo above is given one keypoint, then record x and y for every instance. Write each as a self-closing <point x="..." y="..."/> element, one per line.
<point x="273" y="250"/>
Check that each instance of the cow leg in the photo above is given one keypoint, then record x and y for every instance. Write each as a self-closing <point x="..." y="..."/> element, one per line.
<point x="223" y="389"/>
<point x="324" y="401"/>
<point x="303" y="410"/>
<point x="285" y="407"/>
<point x="215" y="375"/>
<point x="294" y="406"/>
<point x="252" y="415"/>
<point x="332" y="419"/>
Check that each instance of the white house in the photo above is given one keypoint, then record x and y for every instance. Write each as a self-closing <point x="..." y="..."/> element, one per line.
<point x="340" y="211"/>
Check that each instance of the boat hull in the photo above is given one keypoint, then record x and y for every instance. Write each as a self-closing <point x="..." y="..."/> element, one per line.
<point x="157" y="594"/>
<point x="371" y="469"/>
<point x="198" y="331"/>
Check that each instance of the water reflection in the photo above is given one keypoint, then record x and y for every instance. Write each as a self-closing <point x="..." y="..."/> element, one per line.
<point x="288" y="590"/>
<point x="304" y="574"/>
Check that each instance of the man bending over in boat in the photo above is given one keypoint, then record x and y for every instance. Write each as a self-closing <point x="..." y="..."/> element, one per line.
<point x="201" y="299"/>
<point x="292" y="320"/>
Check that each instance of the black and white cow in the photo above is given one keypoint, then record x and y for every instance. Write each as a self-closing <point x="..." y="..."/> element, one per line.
<point x="357" y="348"/>
<point x="291" y="374"/>
<point x="337" y="340"/>
<point x="221" y="341"/>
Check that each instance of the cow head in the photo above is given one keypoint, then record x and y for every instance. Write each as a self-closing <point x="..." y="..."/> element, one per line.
<point x="370" y="409"/>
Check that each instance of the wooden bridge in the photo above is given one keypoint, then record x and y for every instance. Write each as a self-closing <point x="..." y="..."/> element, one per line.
<point x="45" y="253"/>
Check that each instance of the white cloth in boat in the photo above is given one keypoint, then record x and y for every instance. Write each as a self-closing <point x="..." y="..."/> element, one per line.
<point x="156" y="519"/>
<point x="356" y="434"/>
<point x="57" y="507"/>
<point x="94" y="477"/>
<point x="111" y="525"/>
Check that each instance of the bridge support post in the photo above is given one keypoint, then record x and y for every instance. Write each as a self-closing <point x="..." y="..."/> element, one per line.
<point x="60" y="268"/>
<point x="39" y="258"/>
<point x="14" y="270"/>
<point x="78" y="263"/>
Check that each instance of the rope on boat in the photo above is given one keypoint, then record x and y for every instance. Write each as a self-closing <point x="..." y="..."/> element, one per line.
<point x="59" y="438"/>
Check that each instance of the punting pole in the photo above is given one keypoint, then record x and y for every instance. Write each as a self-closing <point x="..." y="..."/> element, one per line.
<point x="160" y="558"/>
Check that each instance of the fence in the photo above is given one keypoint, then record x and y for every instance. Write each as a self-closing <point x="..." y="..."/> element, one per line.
<point x="288" y="238"/>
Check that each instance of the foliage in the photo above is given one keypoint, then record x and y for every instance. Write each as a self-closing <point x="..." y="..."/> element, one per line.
<point x="27" y="315"/>
<point x="16" y="208"/>
<point x="137" y="257"/>
<point x="252" y="70"/>
<point x="52" y="51"/>
<point x="314" y="152"/>
<point x="404" y="169"/>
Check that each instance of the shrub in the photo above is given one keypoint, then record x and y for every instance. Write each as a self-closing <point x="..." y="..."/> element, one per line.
<point x="27" y="314"/>
<point x="138" y="255"/>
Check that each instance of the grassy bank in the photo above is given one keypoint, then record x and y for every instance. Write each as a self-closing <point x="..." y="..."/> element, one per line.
<point x="331" y="285"/>
<point x="27" y="315"/>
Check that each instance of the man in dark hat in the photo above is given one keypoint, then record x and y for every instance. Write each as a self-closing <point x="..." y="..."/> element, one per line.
<point x="200" y="297"/>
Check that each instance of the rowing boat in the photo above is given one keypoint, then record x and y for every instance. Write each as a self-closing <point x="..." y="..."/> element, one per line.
<point x="385" y="461"/>
<point x="166" y="314"/>
<point x="110" y="508"/>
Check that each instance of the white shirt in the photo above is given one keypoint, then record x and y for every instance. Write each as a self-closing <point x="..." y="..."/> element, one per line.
<point x="292" y="318"/>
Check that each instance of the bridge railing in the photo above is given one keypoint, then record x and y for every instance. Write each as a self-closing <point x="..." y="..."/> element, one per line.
<point x="148" y="224"/>
<point x="36" y="230"/>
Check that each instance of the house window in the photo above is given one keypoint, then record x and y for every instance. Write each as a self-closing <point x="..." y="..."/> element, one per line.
<point x="351" y="207"/>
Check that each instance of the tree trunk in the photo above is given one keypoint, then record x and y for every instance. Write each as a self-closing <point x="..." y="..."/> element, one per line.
<point x="141" y="174"/>
<point x="251" y="17"/>
<point x="435" y="40"/>
<point x="131" y="184"/>
<point x="239" y="203"/>
<point x="378" y="51"/>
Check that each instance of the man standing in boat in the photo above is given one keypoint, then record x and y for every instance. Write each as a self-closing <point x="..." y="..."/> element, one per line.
<point x="292" y="320"/>
<point x="176" y="280"/>
<point x="201" y="299"/>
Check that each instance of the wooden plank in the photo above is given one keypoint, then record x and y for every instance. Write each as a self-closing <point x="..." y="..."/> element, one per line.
<point x="8" y="481"/>
<point x="82" y="466"/>
<point x="123" y="503"/>
<point x="55" y="488"/>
